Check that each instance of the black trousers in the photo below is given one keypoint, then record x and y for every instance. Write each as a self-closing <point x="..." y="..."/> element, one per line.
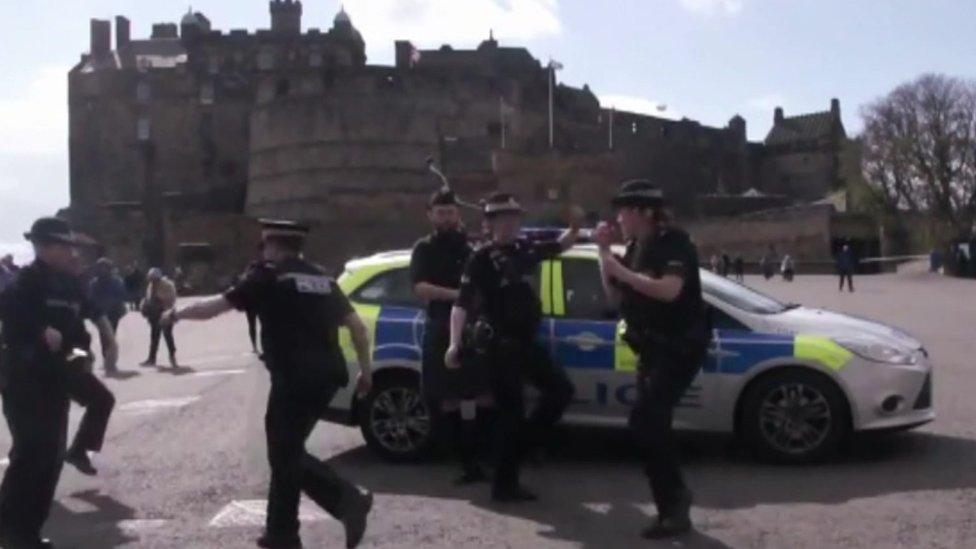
<point x="661" y="382"/>
<point x="155" y="330"/>
<point x="514" y="362"/>
<point x="849" y="277"/>
<point x="89" y="392"/>
<point x="37" y="415"/>
<point x="252" y="327"/>
<point x="293" y="411"/>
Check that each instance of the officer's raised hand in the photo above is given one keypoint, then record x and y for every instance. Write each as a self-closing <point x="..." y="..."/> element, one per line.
<point x="53" y="340"/>
<point x="603" y="236"/>
<point x="452" y="358"/>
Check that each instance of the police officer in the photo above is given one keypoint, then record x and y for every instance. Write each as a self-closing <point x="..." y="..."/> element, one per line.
<point x="435" y="268"/>
<point x="659" y="291"/>
<point x="496" y="290"/>
<point x="44" y="364"/>
<point x="301" y="310"/>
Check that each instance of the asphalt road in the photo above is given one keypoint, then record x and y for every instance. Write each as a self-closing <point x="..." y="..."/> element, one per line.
<point x="184" y="465"/>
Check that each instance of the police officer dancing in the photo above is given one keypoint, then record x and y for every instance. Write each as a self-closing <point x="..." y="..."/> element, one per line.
<point x="497" y="294"/>
<point x="658" y="289"/>
<point x="435" y="269"/>
<point x="301" y="310"/>
<point x="46" y="362"/>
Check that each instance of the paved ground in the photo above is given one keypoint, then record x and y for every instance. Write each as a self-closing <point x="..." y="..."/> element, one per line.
<point x="184" y="466"/>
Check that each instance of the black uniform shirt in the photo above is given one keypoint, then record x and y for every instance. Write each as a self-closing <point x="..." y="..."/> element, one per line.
<point x="439" y="259"/>
<point x="670" y="253"/>
<point x="42" y="297"/>
<point x="300" y="309"/>
<point x="497" y="283"/>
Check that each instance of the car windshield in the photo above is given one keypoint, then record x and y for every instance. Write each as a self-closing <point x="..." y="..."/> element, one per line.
<point x="741" y="297"/>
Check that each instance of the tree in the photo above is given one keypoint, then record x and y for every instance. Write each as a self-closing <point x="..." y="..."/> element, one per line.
<point x="919" y="150"/>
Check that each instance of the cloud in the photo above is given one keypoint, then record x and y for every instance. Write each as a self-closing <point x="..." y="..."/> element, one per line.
<point x="431" y="23"/>
<point x="640" y="105"/>
<point x="35" y="121"/>
<point x="766" y="102"/>
<point x="713" y="7"/>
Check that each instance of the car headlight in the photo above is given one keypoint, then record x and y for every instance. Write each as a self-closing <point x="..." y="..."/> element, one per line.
<point x="879" y="352"/>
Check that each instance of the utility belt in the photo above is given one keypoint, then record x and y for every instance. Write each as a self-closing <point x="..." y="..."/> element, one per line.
<point x="479" y="336"/>
<point x="646" y="342"/>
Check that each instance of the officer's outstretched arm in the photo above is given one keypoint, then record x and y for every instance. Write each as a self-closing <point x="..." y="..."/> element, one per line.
<point x="360" y="342"/>
<point x="432" y="292"/>
<point x="201" y="310"/>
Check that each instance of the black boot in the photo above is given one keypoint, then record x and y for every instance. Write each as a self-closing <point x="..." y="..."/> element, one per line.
<point x="354" y="518"/>
<point x="278" y="541"/>
<point x="80" y="460"/>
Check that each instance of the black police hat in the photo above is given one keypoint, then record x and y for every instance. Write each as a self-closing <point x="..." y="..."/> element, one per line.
<point x="283" y="228"/>
<point x="638" y="192"/>
<point x="51" y="230"/>
<point x="443" y="197"/>
<point x="501" y="203"/>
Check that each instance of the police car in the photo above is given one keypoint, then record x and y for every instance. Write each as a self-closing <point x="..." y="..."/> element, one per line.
<point x="788" y="380"/>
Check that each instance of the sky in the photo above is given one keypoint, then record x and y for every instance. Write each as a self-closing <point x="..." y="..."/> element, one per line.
<point x="702" y="59"/>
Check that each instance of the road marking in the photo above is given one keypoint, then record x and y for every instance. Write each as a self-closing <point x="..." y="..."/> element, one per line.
<point x="253" y="512"/>
<point x="215" y="373"/>
<point x="135" y="526"/>
<point x="601" y="508"/>
<point x="152" y="405"/>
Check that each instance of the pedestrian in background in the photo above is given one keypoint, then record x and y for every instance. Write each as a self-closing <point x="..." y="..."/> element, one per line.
<point x="160" y="297"/>
<point x="715" y="263"/>
<point x="739" y="266"/>
<point x="787" y="269"/>
<point x="846" y="264"/>
<point x="726" y="265"/>
<point x="135" y="285"/>
<point x="768" y="263"/>
<point x="108" y="292"/>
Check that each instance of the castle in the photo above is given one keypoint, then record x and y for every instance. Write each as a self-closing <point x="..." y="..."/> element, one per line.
<point x="178" y="142"/>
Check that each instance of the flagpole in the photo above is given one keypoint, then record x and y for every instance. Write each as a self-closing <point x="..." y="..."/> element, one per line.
<point x="613" y="110"/>
<point x="501" y="117"/>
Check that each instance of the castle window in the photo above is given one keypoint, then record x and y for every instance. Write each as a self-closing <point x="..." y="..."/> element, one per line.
<point x="266" y="61"/>
<point x="207" y="94"/>
<point x="315" y="59"/>
<point x="282" y="88"/>
<point x="143" y="128"/>
<point x="494" y="129"/>
<point x="143" y="92"/>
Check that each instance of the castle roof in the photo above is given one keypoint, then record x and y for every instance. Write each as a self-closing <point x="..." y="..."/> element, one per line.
<point x="802" y="128"/>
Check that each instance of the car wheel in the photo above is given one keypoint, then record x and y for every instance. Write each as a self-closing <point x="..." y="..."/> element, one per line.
<point x="794" y="416"/>
<point x="395" y="420"/>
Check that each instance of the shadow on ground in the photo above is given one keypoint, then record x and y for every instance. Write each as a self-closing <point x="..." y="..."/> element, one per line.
<point x="594" y="493"/>
<point x="96" y="525"/>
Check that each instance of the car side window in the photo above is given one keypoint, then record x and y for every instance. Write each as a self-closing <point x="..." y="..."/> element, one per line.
<point x="392" y="287"/>
<point x="583" y="292"/>
<point x="724" y="321"/>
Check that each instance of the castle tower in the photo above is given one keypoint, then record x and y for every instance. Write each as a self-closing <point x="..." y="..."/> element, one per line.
<point x="286" y="16"/>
